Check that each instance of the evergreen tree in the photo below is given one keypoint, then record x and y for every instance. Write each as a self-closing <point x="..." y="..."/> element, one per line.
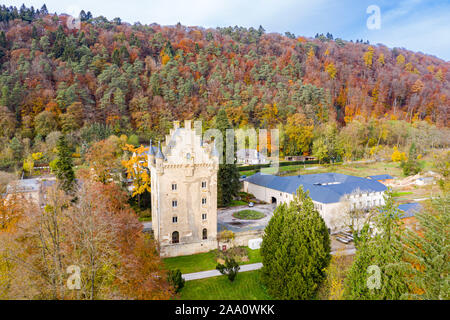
<point x="411" y="166"/>
<point x="295" y="250"/>
<point x="230" y="268"/>
<point x="378" y="247"/>
<point x="64" y="166"/>
<point x="426" y="264"/>
<point x="175" y="278"/>
<point x="228" y="176"/>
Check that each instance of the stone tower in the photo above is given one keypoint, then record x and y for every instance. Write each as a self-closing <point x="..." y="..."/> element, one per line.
<point x="184" y="192"/>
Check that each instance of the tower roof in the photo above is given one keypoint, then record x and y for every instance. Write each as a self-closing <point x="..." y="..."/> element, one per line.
<point x="152" y="150"/>
<point x="160" y="154"/>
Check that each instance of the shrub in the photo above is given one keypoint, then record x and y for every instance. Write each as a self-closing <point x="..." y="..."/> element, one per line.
<point x="175" y="279"/>
<point x="230" y="268"/>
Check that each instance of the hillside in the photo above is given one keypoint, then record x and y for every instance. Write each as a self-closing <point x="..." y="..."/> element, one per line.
<point x="137" y="78"/>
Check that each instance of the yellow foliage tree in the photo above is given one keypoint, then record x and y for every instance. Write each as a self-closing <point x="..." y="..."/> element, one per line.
<point x="381" y="59"/>
<point x="398" y="156"/>
<point x="299" y="131"/>
<point x="401" y="60"/>
<point x="439" y="75"/>
<point x="37" y="156"/>
<point x="368" y="56"/>
<point x="137" y="169"/>
<point x="164" y="57"/>
<point x="331" y="69"/>
<point x="311" y="54"/>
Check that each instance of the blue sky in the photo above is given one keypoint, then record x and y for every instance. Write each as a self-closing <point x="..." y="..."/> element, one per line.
<point x="417" y="25"/>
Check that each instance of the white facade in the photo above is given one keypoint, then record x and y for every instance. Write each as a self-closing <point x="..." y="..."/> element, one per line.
<point x="250" y="156"/>
<point x="335" y="214"/>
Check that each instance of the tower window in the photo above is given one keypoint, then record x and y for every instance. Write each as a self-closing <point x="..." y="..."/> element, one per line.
<point x="203" y="200"/>
<point x="203" y="184"/>
<point x="174" y="203"/>
<point x="203" y="216"/>
<point x="175" y="237"/>
<point x="175" y="219"/>
<point x="205" y="234"/>
<point x="174" y="186"/>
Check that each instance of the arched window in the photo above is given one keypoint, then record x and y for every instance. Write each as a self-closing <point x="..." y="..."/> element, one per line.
<point x="175" y="237"/>
<point x="205" y="234"/>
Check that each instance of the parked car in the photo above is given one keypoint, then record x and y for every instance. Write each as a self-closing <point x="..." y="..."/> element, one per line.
<point x="251" y="204"/>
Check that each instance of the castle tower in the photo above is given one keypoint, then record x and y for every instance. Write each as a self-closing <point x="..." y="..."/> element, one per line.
<point x="184" y="193"/>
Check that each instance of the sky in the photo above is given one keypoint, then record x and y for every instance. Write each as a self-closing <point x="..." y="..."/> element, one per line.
<point x="417" y="25"/>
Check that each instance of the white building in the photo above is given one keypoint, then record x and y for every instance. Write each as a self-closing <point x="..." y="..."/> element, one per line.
<point x="250" y="156"/>
<point x="333" y="194"/>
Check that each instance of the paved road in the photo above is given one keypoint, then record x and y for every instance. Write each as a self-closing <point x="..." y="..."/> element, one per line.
<point x="215" y="273"/>
<point x="245" y="267"/>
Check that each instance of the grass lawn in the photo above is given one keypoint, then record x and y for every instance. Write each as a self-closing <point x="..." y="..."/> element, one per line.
<point x="246" y="286"/>
<point x="354" y="169"/>
<point x="247" y="173"/>
<point x="400" y="193"/>
<point x="193" y="263"/>
<point x="248" y="215"/>
<point x="203" y="261"/>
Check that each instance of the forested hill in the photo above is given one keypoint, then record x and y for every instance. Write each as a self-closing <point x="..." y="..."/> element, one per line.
<point x="137" y="78"/>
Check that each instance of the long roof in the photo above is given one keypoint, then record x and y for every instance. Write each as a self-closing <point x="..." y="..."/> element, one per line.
<point x="322" y="187"/>
<point x="409" y="209"/>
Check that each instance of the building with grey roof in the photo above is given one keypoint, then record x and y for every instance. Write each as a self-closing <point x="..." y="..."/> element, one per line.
<point x="381" y="177"/>
<point x="33" y="190"/>
<point x="333" y="194"/>
<point x="409" y="210"/>
<point x="250" y="156"/>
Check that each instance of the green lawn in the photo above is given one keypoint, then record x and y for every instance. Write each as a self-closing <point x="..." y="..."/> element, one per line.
<point x="246" y="286"/>
<point x="193" y="263"/>
<point x="249" y="215"/>
<point x="203" y="261"/>
<point x="400" y="193"/>
<point x="248" y="173"/>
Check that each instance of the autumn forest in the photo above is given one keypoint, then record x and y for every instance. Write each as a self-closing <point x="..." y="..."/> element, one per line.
<point x="330" y="97"/>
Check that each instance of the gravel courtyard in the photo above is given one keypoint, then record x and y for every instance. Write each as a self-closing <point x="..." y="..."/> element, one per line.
<point x="226" y="220"/>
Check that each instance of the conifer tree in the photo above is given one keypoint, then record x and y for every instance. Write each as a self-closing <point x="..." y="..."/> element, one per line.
<point x="378" y="247"/>
<point x="228" y="176"/>
<point x="295" y="250"/>
<point x="426" y="263"/>
<point x="64" y="166"/>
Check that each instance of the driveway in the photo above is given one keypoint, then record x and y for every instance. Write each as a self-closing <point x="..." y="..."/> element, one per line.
<point x="226" y="220"/>
<point x="215" y="273"/>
